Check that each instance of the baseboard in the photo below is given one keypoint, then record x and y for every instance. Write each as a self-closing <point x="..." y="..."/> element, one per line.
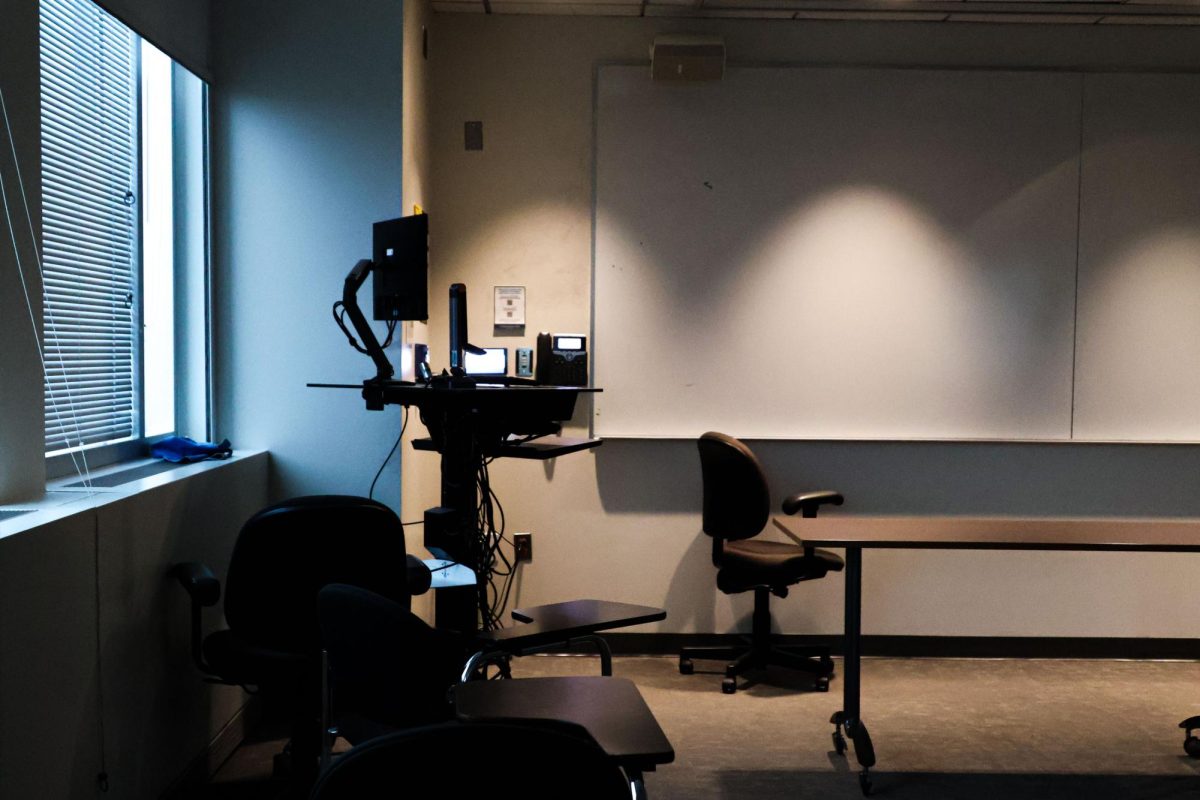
<point x="930" y="646"/>
<point x="218" y="751"/>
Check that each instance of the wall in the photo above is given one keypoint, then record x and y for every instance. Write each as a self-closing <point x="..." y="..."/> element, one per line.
<point x="95" y="661"/>
<point x="622" y="522"/>
<point x="22" y="462"/>
<point x="306" y="141"/>
<point x="179" y="28"/>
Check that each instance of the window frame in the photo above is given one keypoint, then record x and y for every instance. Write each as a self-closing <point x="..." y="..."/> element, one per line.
<point x="193" y="390"/>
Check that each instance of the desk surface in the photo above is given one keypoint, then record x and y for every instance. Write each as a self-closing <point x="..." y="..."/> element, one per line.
<point x="610" y="709"/>
<point x="558" y="622"/>
<point x="998" y="533"/>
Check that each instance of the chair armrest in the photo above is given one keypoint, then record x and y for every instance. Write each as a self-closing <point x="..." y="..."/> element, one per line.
<point x="205" y="590"/>
<point x="809" y="502"/>
<point x="201" y="585"/>
<point x="419" y="576"/>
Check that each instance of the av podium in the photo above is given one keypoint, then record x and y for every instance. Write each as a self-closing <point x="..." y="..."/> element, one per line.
<point x="469" y="423"/>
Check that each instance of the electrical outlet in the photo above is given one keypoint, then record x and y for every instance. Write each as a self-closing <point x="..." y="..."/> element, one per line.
<point x="524" y="362"/>
<point x="523" y="547"/>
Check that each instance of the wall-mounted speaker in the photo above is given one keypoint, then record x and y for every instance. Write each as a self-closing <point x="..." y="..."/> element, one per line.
<point x="681" y="57"/>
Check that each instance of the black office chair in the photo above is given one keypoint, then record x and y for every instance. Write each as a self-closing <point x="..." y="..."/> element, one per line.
<point x="529" y="760"/>
<point x="389" y="670"/>
<point x="283" y="556"/>
<point x="737" y="507"/>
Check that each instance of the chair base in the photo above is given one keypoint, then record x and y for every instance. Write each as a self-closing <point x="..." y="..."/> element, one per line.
<point x="814" y="660"/>
<point x="760" y="653"/>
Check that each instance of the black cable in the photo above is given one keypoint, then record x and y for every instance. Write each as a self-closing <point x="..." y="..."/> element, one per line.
<point x="339" y="316"/>
<point x="371" y="493"/>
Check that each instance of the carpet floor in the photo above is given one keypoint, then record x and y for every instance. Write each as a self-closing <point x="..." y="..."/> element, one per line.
<point x="942" y="728"/>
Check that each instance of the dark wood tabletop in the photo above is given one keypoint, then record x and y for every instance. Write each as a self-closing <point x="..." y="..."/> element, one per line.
<point x="997" y="533"/>
<point x="558" y="622"/>
<point x="610" y="709"/>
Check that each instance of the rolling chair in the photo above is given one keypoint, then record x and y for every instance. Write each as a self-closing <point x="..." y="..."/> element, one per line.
<point x="390" y="671"/>
<point x="283" y="556"/>
<point x="530" y="760"/>
<point x="736" y="510"/>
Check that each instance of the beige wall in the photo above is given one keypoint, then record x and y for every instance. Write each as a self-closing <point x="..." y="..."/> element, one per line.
<point x="22" y="450"/>
<point x="622" y="522"/>
<point x="95" y="663"/>
<point x="180" y="28"/>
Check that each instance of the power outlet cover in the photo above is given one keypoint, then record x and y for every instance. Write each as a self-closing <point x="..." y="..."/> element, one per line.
<point x="523" y="546"/>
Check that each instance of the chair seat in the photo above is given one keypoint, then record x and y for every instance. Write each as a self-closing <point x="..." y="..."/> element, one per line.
<point x="235" y="661"/>
<point x="754" y="562"/>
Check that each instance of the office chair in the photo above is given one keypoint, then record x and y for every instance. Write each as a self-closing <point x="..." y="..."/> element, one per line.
<point x="736" y="509"/>
<point x="389" y="670"/>
<point x="284" y="554"/>
<point x="529" y="760"/>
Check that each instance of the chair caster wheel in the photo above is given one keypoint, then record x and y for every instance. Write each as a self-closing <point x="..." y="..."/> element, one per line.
<point x="728" y="685"/>
<point x="839" y="743"/>
<point x="821" y="684"/>
<point x="686" y="667"/>
<point x="281" y="765"/>
<point x="1191" y="746"/>
<point x="864" y="783"/>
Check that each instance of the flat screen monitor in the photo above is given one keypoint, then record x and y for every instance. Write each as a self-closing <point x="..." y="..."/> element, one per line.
<point x="492" y="364"/>
<point x="401" y="255"/>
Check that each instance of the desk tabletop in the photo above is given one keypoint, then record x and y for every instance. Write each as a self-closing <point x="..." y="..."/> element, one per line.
<point x="997" y="533"/>
<point x="558" y="622"/>
<point x="610" y="709"/>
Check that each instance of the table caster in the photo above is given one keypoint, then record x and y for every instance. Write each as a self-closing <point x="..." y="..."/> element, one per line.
<point x="1191" y="743"/>
<point x="839" y="743"/>
<point x="1191" y="746"/>
<point x="729" y="685"/>
<point x="864" y="783"/>
<point x="821" y="684"/>
<point x="686" y="667"/>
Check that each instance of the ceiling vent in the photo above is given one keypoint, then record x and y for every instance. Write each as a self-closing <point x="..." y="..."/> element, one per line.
<point x="687" y="58"/>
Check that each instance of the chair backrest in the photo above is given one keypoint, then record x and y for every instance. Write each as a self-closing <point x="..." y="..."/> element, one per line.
<point x="287" y="552"/>
<point x="532" y="761"/>
<point x="387" y="665"/>
<point x="737" y="504"/>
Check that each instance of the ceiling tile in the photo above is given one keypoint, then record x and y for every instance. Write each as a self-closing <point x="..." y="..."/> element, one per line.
<point x="893" y="16"/>
<point x="1039" y="19"/>
<point x="583" y="9"/>
<point x="1144" y="19"/>
<point x="442" y="7"/>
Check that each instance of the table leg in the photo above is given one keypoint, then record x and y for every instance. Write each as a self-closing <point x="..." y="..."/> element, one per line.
<point x="849" y="718"/>
<point x="637" y="785"/>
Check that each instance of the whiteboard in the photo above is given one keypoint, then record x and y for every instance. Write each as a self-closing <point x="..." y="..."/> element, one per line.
<point x="836" y="253"/>
<point x="1137" y="374"/>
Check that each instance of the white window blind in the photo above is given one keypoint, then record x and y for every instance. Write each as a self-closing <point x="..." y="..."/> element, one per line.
<point x="89" y="224"/>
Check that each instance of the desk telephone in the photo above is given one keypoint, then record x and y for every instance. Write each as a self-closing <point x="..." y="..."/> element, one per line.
<point x="562" y="359"/>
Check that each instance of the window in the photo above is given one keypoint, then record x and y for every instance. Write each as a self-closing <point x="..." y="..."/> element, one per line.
<point x="124" y="234"/>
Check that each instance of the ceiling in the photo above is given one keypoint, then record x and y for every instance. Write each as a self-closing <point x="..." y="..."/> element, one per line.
<point x="1071" y="12"/>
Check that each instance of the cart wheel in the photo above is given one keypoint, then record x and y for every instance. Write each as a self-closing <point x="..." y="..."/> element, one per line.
<point x="685" y="666"/>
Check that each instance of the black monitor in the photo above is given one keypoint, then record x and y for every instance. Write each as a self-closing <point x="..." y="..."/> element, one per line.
<point x="401" y="258"/>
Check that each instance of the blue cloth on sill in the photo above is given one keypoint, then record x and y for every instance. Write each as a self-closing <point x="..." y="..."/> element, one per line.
<point x="181" y="448"/>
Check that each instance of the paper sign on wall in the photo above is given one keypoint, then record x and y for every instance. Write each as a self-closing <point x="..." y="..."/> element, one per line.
<point x="510" y="306"/>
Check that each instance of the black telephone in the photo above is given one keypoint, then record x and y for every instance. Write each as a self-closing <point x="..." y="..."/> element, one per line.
<point x="562" y="359"/>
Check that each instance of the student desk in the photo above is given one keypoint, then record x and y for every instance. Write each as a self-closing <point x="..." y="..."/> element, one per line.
<point x="610" y="709"/>
<point x="961" y="533"/>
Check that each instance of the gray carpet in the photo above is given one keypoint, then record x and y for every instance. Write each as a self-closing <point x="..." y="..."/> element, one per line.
<point x="942" y="729"/>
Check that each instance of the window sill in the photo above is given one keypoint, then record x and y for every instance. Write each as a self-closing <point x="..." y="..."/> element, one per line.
<point x="62" y="500"/>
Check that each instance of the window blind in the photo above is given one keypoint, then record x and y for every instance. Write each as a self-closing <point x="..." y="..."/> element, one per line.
<point x="89" y="224"/>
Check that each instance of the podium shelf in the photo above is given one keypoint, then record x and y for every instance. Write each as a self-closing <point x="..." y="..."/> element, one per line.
<point x="537" y="449"/>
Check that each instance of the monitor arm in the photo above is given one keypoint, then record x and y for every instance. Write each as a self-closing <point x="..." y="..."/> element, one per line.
<point x="370" y="344"/>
